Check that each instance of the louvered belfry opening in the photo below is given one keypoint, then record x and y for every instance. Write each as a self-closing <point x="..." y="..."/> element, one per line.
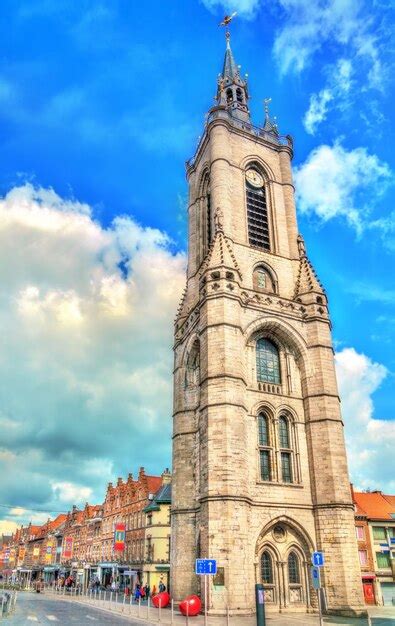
<point x="258" y="225"/>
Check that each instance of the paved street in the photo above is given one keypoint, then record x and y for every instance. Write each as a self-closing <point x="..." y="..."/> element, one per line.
<point x="45" y="609"/>
<point x="34" y="608"/>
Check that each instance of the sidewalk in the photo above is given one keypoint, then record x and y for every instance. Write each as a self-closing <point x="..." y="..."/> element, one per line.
<point x="127" y="608"/>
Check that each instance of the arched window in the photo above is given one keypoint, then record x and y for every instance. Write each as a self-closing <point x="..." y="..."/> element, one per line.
<point x="262" y="280"/>
<point x="267" y="362"/>
<point x="265" y="451"/>
<point x="229" y="96"/>
<point x="283" y="432"/>
<point x="285" y="449"/>
<point x="263" y="430"/>
<point x="207" y="213"/>
<point x="293" y="569"/>
<point x="257" y="214"/>
<point x="192" y="373"/>
<point x="239" y="95"/>
<point x="266" y="568"/>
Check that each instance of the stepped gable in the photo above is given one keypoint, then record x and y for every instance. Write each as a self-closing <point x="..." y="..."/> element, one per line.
<point x="307" y="279"/>
<point x="220" y="254"/>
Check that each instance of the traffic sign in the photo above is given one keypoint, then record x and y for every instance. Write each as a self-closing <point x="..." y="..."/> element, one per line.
<point x="317" y="559"/>
<point x="206" y="566"/>
<point x="315" y="577"/>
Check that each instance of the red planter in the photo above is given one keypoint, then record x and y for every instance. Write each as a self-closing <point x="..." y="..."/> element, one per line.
<point x="192" y="604"/>
<point x="161" y="599"/>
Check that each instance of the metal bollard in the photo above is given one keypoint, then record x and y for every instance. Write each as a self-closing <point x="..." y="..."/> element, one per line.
<point x="227" y="615"/>
<point x="187" y="615"/>
<point x="172" y="611"/>
<point x="123" y="603"/>
<point x="110" y="599"/>
<point x="147" y="608"/>
<point x="130" y="603"/>
<point x="138" y="612"/>
<point x="160" y="610"/>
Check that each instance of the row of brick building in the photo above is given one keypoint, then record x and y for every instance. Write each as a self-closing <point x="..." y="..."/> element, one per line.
<point x="81" y="542"/>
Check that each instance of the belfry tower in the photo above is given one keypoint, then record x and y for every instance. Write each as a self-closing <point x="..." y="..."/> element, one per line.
<point x="260" y="475"/>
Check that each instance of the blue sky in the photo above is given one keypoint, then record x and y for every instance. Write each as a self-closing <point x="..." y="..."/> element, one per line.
<point x="101" y="103"/>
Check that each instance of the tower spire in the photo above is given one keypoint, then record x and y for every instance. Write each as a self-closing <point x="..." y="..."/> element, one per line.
<point x="270" y="125"/>
<point x="232" y="91"/>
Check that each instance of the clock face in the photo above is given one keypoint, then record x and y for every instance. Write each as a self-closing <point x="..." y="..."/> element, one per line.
<point x="254" y="178"/>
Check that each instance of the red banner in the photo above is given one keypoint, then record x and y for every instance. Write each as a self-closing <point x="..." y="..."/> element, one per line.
<point x="119" y="537"/>
<point x="21" y="555"/>
<point x="68" y="547"/>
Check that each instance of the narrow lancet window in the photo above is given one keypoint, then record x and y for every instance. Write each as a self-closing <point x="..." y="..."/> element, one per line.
<point x="257" y="213"/>
<point x="267" y="362"/>
<point x="266" y="568"/>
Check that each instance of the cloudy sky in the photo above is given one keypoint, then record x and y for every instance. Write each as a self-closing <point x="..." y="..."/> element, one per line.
<point x="101" y="102"/>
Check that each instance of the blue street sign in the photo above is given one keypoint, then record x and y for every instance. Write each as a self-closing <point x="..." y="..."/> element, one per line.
<point x="206" y="566"/>
<point x="317" y="559"/>
<point x="315" y="577"/>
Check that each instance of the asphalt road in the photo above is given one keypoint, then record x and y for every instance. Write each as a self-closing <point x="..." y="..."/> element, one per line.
<point x="37" y="608"/>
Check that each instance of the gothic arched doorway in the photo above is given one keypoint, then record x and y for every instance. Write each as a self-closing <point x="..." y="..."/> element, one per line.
<point x="283" y="566"/>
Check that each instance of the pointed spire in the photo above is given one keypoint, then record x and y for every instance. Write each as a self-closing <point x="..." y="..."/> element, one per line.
<point x="232" y="91"/>
<point x="307" y="280"/>
<point x="230" y="69"/>
<point x="269" y="125"/>
<point x="221" y="252"/>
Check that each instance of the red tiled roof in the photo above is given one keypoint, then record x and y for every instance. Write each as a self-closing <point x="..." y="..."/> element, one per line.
<point x="391" y="500"/>
<point x="58" y="521"/>
<point x="154" y="482"/>
<point x="375" y="505"/>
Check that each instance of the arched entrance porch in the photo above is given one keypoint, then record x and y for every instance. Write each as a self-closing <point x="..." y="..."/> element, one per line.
<point x="283" y="566"/>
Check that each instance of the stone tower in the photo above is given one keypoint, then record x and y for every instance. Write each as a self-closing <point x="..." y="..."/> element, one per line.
<point x="260" y="475"/>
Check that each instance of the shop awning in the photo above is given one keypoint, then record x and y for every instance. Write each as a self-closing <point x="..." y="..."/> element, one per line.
<point x="51" y="569"/>
<point x="368" y="576"/>
<point x="162" y="568"/>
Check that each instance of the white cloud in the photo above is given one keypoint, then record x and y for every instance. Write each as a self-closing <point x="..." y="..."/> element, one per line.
<point x="318" y="110"/>
<point x="336" y="94"/>
<point x="344" y="24"/>
<point x="335" y="182"/>
<point x="245" y="8"/>
<point x="7" y="527"/>
<point x="370" y="441"/>
<point x="70" y="492"/>
<point x="85" y="362"/>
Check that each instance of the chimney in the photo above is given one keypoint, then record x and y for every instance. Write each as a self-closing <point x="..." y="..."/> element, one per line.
<point x="119" y="481"/>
